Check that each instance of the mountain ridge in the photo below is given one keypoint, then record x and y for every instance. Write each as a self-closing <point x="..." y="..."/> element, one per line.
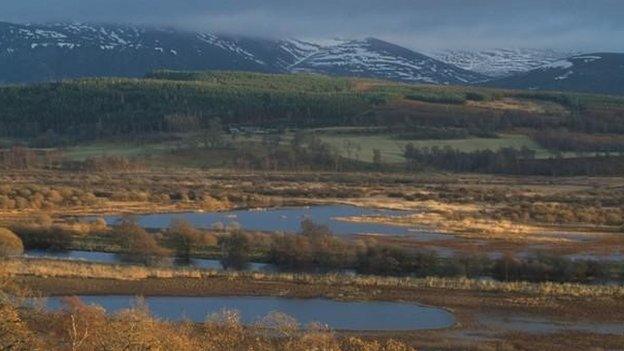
<point x="375" y="58"/>
<point x="501" y="62"/>
<point x="30" y="53"/>
<point x="592" y="73"/>
<point x="50" y="52"/>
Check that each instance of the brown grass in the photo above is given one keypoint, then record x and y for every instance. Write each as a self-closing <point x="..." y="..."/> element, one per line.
<point x="532" y="106"/>
<point x="454" y="204"/>
<point x="54" y="268"/>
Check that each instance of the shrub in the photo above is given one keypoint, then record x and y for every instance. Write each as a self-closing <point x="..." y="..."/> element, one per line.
<point x="235" y="248"/>
<point x="314" y="231"/>
<point x="44" y="237"/>
<point x="10" y="244"/>
<point x="314" y="248"/>
<point x="475" y="96"/>
<point x="183" y="237"/>
<point x="437" y="97"/>
<point x="78" y="326"/>
<point x="14" y="333"/>
<point x="291" y="252"/>
<point x="138" y="245"/>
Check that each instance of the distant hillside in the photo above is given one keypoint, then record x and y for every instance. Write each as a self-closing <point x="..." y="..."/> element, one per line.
<point x="53" y="52"/>
<point x="92" y="109"/>
<point x="31" y="53"/>
<point x="34" y="53"/>
<point x="596" y="73"/>
<point x="499" y="63"/>
<point x="379" y="59"/>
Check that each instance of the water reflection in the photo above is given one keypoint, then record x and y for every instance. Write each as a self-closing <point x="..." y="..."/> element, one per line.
<point x="289" y="220"/>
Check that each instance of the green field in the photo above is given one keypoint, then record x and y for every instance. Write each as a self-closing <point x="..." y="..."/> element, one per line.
<point x="82" y="152"/>
<point x="352" y="145"/>
<point x="164" y="153"/>
<point x="392" y="149"/>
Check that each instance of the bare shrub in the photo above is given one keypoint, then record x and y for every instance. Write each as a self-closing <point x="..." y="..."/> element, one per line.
<point x="183" y="237"/>
<point x="10" y="244"/>
<point x="14" y="333"/>
<point x="138" y="245"/>
<point x="235" y="249"/>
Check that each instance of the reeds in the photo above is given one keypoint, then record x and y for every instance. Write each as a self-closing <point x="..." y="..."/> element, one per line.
<point x="55" y="268"/>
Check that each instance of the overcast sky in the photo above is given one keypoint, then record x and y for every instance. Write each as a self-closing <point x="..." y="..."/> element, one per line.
<point x="591" y="25"/>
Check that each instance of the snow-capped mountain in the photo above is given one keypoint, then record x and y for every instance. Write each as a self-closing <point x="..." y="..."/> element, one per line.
<point x="375" y="58"/>
<point x="498" y="63"/>
<point x="56" y="51"/>
<point x="597" y="73"/>
<point x="299" y="50"/>
<point x="32" y="53"/>
<point x="66" y="50"/>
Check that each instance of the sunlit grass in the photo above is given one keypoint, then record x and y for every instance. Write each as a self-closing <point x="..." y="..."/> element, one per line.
<point x="53" y="268"/>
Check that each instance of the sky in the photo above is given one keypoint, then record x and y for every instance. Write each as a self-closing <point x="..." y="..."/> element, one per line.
<point x="587" y="25"/>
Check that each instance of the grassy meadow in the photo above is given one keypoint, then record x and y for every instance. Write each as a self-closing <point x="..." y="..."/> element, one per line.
<point x="360" y="147"/>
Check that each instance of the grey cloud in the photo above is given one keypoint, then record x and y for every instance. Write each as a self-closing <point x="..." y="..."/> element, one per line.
<point x="419" y="24"/>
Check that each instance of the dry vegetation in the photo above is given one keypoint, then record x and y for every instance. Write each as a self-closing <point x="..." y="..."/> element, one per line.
<point x="84" y="327"/>
<point x="483" y="213"/>
<point x="507" y="212"/>
<point x="10" y="244"/>
<point x="48" y="268"/>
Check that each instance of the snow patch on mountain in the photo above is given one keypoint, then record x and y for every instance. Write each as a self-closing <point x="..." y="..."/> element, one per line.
<point x="565" y="75"/>
<point x="228" y="45"/>
<point x="565" y="65"/>
<point x="561" y="64"/>
<point x="375" y="58"/>
<point x="133" y="50"/>
<point x="595" y="73"/>
<point x="113" y="37"/>
<point x="569" y="63"/>
<point x="500" y="62"/>
<point x="298" y="49"/>
<point x="588" y="59"/>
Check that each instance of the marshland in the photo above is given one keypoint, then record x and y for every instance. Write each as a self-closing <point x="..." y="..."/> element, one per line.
<point x="439" y="218"/>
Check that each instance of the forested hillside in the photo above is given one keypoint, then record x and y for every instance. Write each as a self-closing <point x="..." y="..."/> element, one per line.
<point x="255" y="120"/>
<point x="97" y="108"/>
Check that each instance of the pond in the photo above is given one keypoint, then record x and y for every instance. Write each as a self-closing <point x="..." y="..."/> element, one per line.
<point x="289" y="219"/>
<point x="387" y="316"/>
<point x="105" y="257"/>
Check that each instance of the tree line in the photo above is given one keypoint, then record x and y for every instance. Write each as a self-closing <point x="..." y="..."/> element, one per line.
<point x="577" y="142"/>
<point x="510" y="160"/>
<point x="315" y="249"/>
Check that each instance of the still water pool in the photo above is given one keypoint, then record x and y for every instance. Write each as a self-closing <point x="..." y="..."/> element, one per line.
<point x="335" y="314"/>
<point x="288" y="220"/>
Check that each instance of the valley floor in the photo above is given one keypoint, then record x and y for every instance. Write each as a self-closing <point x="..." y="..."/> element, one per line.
<point x="476" y="214"/>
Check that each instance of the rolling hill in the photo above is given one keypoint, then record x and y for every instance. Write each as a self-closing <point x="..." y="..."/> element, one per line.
<point x="374" y="58"/>
<point x="596" y="73"/>
<point x="501" y="62"/>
